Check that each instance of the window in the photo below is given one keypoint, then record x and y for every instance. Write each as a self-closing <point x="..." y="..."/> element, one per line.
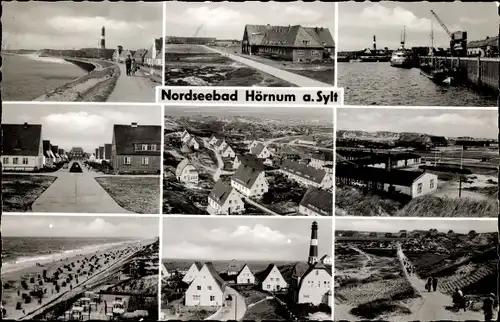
<point x="419" y="188"/>
<point x="300" y="52"/>
<point x="432" y="183"/>
<point x="209" y="288"/>
<point x="15" y="160"/>
<point x="198" y="287"/>
<point x="212" y="298"/>
<point x="145" y="161"/>
<point x="127" y="160"/>
<point x="305" y="42"/>
<point x="5" y="160"/>
<point x="144" y="147"/>
<point x="25" y="160"/>
<point x="317" y="272"/>
<point x="153" y="147"/>
<point x="315" y="53"/>
<point x="196" y="297"/>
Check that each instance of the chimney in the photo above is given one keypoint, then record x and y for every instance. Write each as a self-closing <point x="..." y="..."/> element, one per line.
<point x="313" y="248"/>
<point x="25" y="125"/>
<point x="134" y="124"/>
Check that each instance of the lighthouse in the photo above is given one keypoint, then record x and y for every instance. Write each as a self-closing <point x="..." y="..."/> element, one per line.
<point x="313" y="248"/>
<point x="103" y="41"/>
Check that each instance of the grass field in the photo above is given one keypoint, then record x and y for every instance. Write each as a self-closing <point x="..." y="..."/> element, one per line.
<point x="20" y="191"/>
<point x="140" y="195"/>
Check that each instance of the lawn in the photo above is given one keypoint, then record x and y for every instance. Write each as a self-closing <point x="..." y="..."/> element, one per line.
<point x="20" y="191"/>
<point x="266" y="310"/>
<point x="137" y="194"/>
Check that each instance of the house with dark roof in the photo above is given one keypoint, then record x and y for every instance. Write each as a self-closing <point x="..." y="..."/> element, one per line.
<point x="227" y="152"/>
<point x="311" y="283"/>
<point x="108" y="147"/>
<point x="136" y="148"/>
<point x="306" y="175"/>
<point x="55" y="151"/>
<point x="483" y="48"/>
<point x="154" y="57"/>
<point x="260" y="151"/>
<point x="192" y="272"/>
<point x="101" y="154"/>
<point x="271" y="279"/>
<point x="186" y="136"/>
<point x="250" y="181"/>
<point x="294" y="43"/>
<point x="186" y="172"/>
<point x="220" y="144"/>
<point x="48" y="157"/>
<point x="62" y="154"/>
<point x="207" y="288"/>
<point x="245" y="276"/>
<point x="249" y="160"/>
<point x="326" y="260"/>
<point x="140" y="56"/>
<point x="316" y="202"/>
<point x="224" y="200"/>
<point x="322" y="159"/>
<point x="411" y="183"/>
<point x="76" y="153"/>
<point x="253" y="144"/>
<point x="194" y="142"/>
<point x="22" y="147"/>
<point x="305" y="139"/>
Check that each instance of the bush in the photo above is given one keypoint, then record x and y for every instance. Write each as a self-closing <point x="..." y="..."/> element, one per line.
<point x="19" y="306"/>
<point x="24" y="285"/>
<point x="27" y="299"/>
<point x="32" y="280"/>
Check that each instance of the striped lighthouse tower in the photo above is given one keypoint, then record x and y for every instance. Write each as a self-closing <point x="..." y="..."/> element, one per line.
<point x="313" y="248"/>
<point x="103" y="40"/>
<point x="374" y="43"/>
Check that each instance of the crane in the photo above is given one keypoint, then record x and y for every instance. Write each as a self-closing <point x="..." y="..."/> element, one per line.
<point x="442" y="24"/>
<point x="458" y="39"/>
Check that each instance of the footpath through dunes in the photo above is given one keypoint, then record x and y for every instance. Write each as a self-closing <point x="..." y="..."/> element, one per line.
<point x="290" y="77"/>
<point x="135" y="88"/>
<point x="76" y="193"/>
<point x="235" y="310"/>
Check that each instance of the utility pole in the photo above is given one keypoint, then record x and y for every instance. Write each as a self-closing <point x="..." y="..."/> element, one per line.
<point x="460" y="178"/>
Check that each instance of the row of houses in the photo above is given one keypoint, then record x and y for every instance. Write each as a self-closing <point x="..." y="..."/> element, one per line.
<point x="101" y="154"/>
<point x="152" y="56"/>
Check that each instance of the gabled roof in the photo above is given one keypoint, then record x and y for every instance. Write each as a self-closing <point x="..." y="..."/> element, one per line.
<point x="184" y="163"/>
<point x="220" y="192"/>
<point x="140" y="53"/>
<point x="246" y="175"/>
<point x="261" y="276"/>
<point x="251" y="161"/>
<point x="395" y="177"/>
<point x="318" y="200"/>
<point x="219" y="142"/>
<point x="323" y="156"/>
<point x="126" y="136"/>
<point x="304" y="171"/>
<point x="317" y="265"/>
<point x="490" y="41"/>
<point x="289" y="36"/>
<point x="321" y="35"/>
<point x="21" y="139"/>
<point x="198" y="265"/>
<point x="47" y="149"/>
<point x="299" y="269"/>
<point x="220" y="282"/>
<point x="227" y="147"/>
<point x="257" y="149"/>
<point x="241" y="269"/>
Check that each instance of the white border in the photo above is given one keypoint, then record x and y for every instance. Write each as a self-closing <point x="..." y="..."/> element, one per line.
<point x="411" y="107"/>
<point x="163" y="45"/>
<point x="160" y="261"/>
<point x="336" y="40"/>
<point x="138" y="104"/>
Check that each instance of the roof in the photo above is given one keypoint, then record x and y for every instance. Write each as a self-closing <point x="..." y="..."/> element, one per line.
<point x="395" y="177"/>
<point x="180" y="167"/>
<point x="140" y="53"/>
<point x="227" y="147"/>
<point x="159" y="44"/>
<point x="241" y="269"/>
<point x="252" y="161"/>
<point x="306" y="138"/>
<point x="299" y="269"/>
<point x="220" y="192"/>
<point x="46" y="148"/>
<point x="198" y="265"/>
<point x="220" y="282"/>
<point x="219" y="142"/>
<point x="21" y="139"/>
<point x="289" y="36"/>
<point x="126" y="136"/>
<point x="490" y="41"/>
<point x="304" y="171"/>
<point x="317" y="265"/>
<point x="323" y="156"/>
<point x="261" y="276"/>
<point x="246" y="175"/>
<point x="318" y="199"/>
<point x="258" y="148"/>
<point x="321" y="35"/>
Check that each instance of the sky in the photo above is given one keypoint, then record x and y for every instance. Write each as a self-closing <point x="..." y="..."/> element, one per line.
<point x="226" y="20"/>
<point x="83" y="126"/>
<point x="68" y="25"/>
<point x="395" y="225"/>
<point x="359" y="21"/>
<point x="80" y="226"/>
<point x="479" y="123"/>
<point x="243" y="238"/>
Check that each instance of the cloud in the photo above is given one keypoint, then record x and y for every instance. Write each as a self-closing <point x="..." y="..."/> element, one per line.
<point x="256" y="235"/>
<point x="448" y="119"/>
<point x="77" y="122"/>
<point x="83" y="24"/>
<point x="209" y="17"/>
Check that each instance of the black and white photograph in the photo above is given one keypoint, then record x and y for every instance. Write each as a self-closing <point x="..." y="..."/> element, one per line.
<point x="418" y="53"/>
<point x="408" y="162"/>
<point x="415" y="270"/>
<point x="67" y="51"/>
<point x="81" y="159"/>
<point x="266" y="44"/>
<point x="230" y="268"/>
<point x="248" y="161"/>
<point x="79" y="268"/>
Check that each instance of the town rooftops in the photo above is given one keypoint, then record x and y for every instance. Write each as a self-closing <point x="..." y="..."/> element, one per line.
<point x="289" y="36"/>
<point x="220" y="192"/>
<point x="490" y="41"/>
<point x="219" y="142"/>
<point x="126" y="136"/>
<point x="323" y="156"/>
<point x="303" y="171"/>
<point x="258" y="148"/>
<point x="251" y="161"/>
<point x="220" y="282"/>
<point x="318" y="200"/>
<point x="21" y="139"/>
<point x="227" y="147"/>
<point x="395" y="177"/>
<point x="180" y="167"/>
<point x="246" y="175"/>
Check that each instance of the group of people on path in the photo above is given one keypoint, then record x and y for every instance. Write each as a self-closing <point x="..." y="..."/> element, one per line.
<point x="431" y="284"/>
<point x="130" y="65"/>
<point x="410" y="269"/>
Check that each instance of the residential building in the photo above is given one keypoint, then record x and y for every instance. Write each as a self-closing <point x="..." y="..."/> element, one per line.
<point x="260" y="151"/>
<point x="62" y="155"/>
<point x="294" y="43"/>
<point x="227" y="152"/>
<point x="207" y="288"/>
<point x="306" y="139"/>
<point x="165" y="274"/>
<point x="192" y="272"/>
<point x="140" y="56"/>
<point x="321" y="159"/>
<point x="253" y="144"/>
<point x="326" y="260"/>
<point x="76" y="153"/>
<point x="195" y="143"/>
<point x="271" y="279"/>
<point x="190" y="40"/>
<point x="108" y="147"/>
<point x="101" y="154"/>
<point x="55" y="151"/>
<point x="185" y="136"/>
<point x="220" y="144"/>
<point x="224" y="200"/>
<point x="22" y="147"/>
<point x="186" y="172"/>
<point x="120" y="54"/>
<point x="154" y="57"/>
<point x="213" y="140"/>
<point x="245" y="276"/>
<point x="316" y="202"/>
<point x="48" y="156"/>
<point x="483" y="48"/>
<point x="249" y="160"/>
<point x="249" y="181"/>
<point x="136" y="148"/>
<point x="92" y="157"/>
<point x="306" y="175"/>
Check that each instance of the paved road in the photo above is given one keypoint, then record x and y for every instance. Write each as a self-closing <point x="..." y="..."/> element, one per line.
<point x="295" y="79"/>
<point x="76" y="193"/>
<point x="235" y="310"/>
<point x="137" y="88"/>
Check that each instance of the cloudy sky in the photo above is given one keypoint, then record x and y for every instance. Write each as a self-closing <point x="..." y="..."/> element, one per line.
<point x="76" y="125"/>
<point x="80" y="226"/>
<point x="478" y="123"/>
<point x="67" y="24"/>
<point x="394" y="225"/>
<point x="226" y="20"/>
<point x="227" y="238"/>
<point x="359" y="21"/>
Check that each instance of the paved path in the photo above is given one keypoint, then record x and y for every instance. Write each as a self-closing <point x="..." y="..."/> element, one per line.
<point x="293" y="78"/>
<point x="235" y="310"/>
<point x="76" y="193"/>
<point x="137" y="88"/>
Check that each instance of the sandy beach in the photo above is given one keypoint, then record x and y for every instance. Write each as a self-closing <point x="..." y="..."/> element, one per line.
<point x="28" y="285"/>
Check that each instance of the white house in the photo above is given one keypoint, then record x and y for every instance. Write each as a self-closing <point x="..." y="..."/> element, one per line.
<point x="245" y="276"/>
<point x="253" y="144"/>
<point x="249" y="160"/>
<point x="165" y="274"/>
<point x="22" y="147"/>
<point x="92" y="157"/>
<point x="213" y="140"/>
<point x="260" y="151"/>
<point x="316" y="202"/>
<point x="48" y="157"/>
<point x="311" y="284"/>
<point x="207" y="288"/>
<point x="194" y="143"/>
<point x="224" y="200"/>
<point x="192" y="272"/>
<point x="227" y="152"/>
<point x="271" y="279"/>
<point x="186" y="172"/>
<point x="306" y="175"/>
<point x="306" y="139"/>
<point x="321" y="160"/>
<point x="249" y="181"/>
<point x="326" y="260"/>
<point x="220" y="145"/>
<point x="185" y="136"/>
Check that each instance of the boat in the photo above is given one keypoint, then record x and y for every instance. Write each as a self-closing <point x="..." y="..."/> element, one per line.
<point x="402" y="57"/>
<point x="434" y="71"/>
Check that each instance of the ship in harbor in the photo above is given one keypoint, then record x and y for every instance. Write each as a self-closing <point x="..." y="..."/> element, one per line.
<point x="375" y="55"/>
<point x="402" y="57"/>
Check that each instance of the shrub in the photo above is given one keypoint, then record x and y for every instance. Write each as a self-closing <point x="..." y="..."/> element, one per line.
<point x="27" y="299"/>
<point x="19" y="306"/>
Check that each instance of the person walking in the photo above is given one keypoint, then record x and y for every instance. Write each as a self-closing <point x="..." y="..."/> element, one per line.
<point x="489" y="305"/>
<point x="428" y="285"/>
<point x="128" y="64"/>
<point x="434" y="283"/>
<point x="133" y="66"/>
